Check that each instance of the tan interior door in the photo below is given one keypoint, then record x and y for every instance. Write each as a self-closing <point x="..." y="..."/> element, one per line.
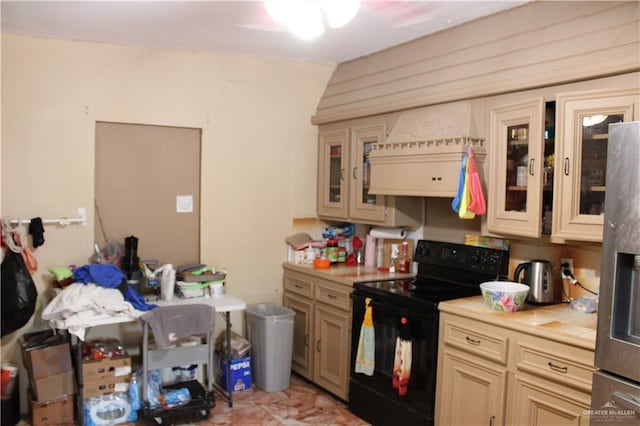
<point x="140" y="170"/>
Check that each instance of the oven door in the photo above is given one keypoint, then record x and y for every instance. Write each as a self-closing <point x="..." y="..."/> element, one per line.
<point x="374" y="398"/>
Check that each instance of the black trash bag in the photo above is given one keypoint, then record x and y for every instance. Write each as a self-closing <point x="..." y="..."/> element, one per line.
<point x="18" y="293"/>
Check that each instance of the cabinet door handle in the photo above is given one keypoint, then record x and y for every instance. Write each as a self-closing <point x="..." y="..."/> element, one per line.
<point x="341" y="174"/>
<point x="306" y="340"/>
<point x="557" y="368"/>
<point x="471" y="341"/>
<point x="566" y="166"/>
<point x="354" y="173"/>
<point x="531" y="163"/>
<point x="492" y="420"/>
<point x="318" y="346"/>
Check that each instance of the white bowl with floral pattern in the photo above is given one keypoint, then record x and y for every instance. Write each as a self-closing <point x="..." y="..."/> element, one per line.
<point x="505" y="296"/>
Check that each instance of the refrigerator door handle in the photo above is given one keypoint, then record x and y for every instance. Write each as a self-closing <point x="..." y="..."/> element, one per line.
<point x="626" y="401"/>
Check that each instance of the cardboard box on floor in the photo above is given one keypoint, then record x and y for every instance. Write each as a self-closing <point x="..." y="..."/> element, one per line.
<point x="99" y="387"/>
<point x="55" y="412"/>
<point x="108" y="368"/>
<point x="101" y="377"/>
<point x="240" y="373"/>
<point x="47" y="359"/>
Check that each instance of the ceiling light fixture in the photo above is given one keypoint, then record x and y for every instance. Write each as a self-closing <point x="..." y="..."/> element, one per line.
<point x="305" y="18"/>
<point x="592" y="120"/>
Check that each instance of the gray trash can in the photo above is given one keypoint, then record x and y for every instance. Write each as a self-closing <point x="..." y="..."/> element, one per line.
<point x="270" y="329"/>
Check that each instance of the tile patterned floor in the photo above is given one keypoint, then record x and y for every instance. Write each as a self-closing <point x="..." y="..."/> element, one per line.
<point x="301" y="404"/>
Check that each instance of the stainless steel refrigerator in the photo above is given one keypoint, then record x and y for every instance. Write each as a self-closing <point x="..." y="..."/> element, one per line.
<point x="615" y="396"/>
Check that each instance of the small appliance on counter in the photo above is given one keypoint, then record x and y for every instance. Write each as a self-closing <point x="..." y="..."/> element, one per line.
<point x="543" y="287"/>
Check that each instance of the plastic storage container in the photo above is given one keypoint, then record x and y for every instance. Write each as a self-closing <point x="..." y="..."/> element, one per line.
<point x="10" y="394"/>
<point x="270" y="329"/>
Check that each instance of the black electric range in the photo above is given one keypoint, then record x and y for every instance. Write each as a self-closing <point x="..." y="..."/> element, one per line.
<point x="446" y="271"/>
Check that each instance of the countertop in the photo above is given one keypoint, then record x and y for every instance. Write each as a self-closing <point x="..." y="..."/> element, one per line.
<point x="555" y="322"/>
<point x="347" y="275"/>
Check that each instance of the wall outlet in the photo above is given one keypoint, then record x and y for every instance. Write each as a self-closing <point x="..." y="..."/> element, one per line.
<point x="570" y="267"/>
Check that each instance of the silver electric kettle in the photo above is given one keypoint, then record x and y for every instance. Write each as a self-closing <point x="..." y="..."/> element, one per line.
<point x="543" y="287"/>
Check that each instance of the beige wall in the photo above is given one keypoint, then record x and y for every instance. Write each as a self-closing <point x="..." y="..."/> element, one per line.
<point x="258" y="146"/>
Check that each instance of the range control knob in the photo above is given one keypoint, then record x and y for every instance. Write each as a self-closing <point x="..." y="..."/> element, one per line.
<point x="423" y="250"/>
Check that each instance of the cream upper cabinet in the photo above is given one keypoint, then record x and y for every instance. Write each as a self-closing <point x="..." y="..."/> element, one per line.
<point x="333" y="185"/>
<point x="344" y="175"/>
<point x="517" y="152"/>
<point x="583" y="120"/>
<point x="363" y="205"/>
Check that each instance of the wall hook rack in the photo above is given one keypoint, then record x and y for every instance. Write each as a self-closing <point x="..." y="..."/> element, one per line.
<point x="80" y="219"/>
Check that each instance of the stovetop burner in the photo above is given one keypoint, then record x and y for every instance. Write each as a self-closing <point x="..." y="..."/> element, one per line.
<point x="445" y="271"/>
<point x="418" y="291"/>
<point x="400" y="287"/>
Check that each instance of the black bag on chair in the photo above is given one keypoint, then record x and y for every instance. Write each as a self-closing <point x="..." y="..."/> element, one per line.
<point x="18" y="293"/>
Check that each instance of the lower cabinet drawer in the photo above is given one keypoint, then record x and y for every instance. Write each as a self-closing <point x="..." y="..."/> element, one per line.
<point x="480" y="339"/>
<point x="333" y="294"/>
<point x="554" y="361"/>
<point x="299" y="284"/>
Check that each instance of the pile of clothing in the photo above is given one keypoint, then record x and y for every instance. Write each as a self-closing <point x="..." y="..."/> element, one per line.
<point x="98" y="291"/>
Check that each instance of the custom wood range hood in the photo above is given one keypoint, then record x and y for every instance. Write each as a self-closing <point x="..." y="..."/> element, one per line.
<point x="423" y="153"/>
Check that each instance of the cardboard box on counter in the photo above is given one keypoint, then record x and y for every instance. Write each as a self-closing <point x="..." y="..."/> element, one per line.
<point x="55" y="412"/>
<point x="487" y="242"/>
<point x="47" y="358"/>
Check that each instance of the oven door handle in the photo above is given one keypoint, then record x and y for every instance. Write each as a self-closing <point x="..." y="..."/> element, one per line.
<point x="374" y="302"/>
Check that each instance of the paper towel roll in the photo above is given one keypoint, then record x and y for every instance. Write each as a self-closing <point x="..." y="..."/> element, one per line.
<point x="394" y="233"/>
<point x="370" y="251"/>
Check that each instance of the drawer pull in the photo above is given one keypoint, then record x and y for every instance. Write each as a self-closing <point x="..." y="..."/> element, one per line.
<point x="557" y="368"/>
<point x="471" y="341"/>
<point x="332" y="296"/>
<point x="298" y="286"/>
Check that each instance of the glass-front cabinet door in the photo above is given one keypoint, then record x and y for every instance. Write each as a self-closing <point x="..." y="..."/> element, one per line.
<point x="333" y="186"/>
<point x="516" y="169"/>
<point x="581" y="157"/>
<point x="365" y="206"/>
